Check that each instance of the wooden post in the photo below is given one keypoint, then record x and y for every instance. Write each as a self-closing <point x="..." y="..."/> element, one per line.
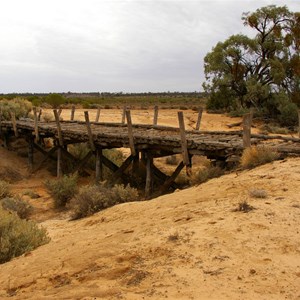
<point x="148" y="187"/>
<point x="200" y="111"/>
<point x="59" y="111"/>
<point x="40" y="113"/>
<point x="247" y="130"/>
<point x="299" y="123"/>
<point x="59" y="169"/>
<point x="14" y="123"/>
<point x="72" y="112"/>
<point x="0" y="121"/>
<point x="30" y="154"/>
<point x="185" y="153"/>
<point x="60" y="138"/>
<point x="130" y="133"/>
<point x="99" y="166"/>
<point x="123" y="115"/>
<point x="155" y="118"/>
<point x="89" y="130"/>
<point x="98" y="115"/>
<point x="36" y="128"/>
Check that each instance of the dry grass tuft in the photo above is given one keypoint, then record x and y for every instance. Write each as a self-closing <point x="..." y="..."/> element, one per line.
<point x="255" y="156"/>
<point x="4" y="189"/>
<point x="16" y="205"/>
<point x="244" y="207"/>
<point x="206" y="173"/>
<point x="258" y="193"/>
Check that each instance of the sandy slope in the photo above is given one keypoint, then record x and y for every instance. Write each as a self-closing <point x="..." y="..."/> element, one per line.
<point x="186" y="245"/>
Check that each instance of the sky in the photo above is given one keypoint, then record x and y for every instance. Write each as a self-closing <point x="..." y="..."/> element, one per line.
<point x="114" y="46"/>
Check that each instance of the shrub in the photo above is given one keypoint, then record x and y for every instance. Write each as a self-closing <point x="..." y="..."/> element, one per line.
<point x="18" y="236"/>
<point x="92" y="199"/>
<point x="20" y="207"/>
<point x="55" y="100"/>
<point x="19" y="106"/>
<point x="258" y="193"/>
<point x="255" y="156"/>
<point x="62" y="190"/>
<point x="47" y="117"/>
<point x="244" y="206"/>
<point x="206" y="173"/>
<point x="172" y="160"/>
<point x="4" y="189"/>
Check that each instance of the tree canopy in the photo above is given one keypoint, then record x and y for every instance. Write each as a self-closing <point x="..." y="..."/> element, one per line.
<point x="262" y="71"/>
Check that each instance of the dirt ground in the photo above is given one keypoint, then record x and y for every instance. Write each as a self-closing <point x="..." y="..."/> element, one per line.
<point x="191" y="244"/>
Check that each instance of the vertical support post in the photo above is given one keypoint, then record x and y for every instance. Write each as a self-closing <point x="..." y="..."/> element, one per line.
<point x="123" y="115"/>
<point x="61" y="144"/>
<point x="185" y="153"/>
<point x="59" y="111"/>
<point x="200" y="111"/>
<point x="247" y="130"/>
<point x="99" y="166"/>
<point x="98" y="115"/>
<point x="14" y="123"/>
<point x="155" y="118"/>
<point x="0" y="121"/>
<point x="36" y="128"/>
<point x="130" y="133"/>
<point x="136" y="163"/>
<point x="72" y="112"/>
<point x="30" y="154"/>
<point x="89" y="130"/>
<point x="299" y="123"/>
<point x="40" y="113"/>
<point x="148" y="187"/>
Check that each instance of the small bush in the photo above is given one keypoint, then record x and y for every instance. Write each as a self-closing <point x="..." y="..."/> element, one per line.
<point x="92" y="199"/>
<point x="207" y="173"/>
<point x="4" y="189"/>
<point x="19" y="106"/>
<point x="62" y="190"/>
<point x="257" y="193"/>
<point x="255" y="156"/>
<point x="47" y="117"/>
<point x="18" y="236"/>
<point x="20" y="207"/>
<point x="172" y="160"/>
<point x="244" y="206"/>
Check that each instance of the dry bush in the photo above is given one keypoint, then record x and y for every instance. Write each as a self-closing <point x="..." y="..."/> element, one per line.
<point x="18" y="236"/>
<point x="63" y="189"/>
<point x="19" y="106"/>
<point x="207" y="173"/>
<point x="47" y="117"/>
<point x="17" y="205"/>
<point x="4" y="189"/>
<point x="172" y="160"/>
<point x="92" y="199"/>
<point x="244" y="206"/>
<point x="9" y="174"/>
<point x="255" y="156"/>
<point x="258" y="193"/>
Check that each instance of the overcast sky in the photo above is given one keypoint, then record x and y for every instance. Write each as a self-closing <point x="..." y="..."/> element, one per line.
<point x="126" y="45"/>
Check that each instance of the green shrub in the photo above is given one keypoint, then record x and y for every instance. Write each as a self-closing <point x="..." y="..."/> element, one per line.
<point x="55" y="100"/>
<point x="4" y="189"/>
<point x="206" y="173"/>
<point x="18" y="236"/>
<point x="19" y="106"/>
<point x="20" y="207"/>
<point x="92" y="199"/>
<point x="255" y="156"/>
<point x="288" y="114"/>
<point x="62" y="190"/>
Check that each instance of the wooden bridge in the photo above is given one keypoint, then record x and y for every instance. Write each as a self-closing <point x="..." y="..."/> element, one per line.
<point x="146" y="142"/>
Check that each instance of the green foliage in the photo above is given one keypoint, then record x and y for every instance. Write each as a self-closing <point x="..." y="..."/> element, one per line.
<point x="19" y="106"/>
<point x="251" y="72"/>
<point x="17" y="205"/>
<point x="63" y="189"/>
<point x="18" y="236"/>
<point x="92" y="199"/>
<point x="4" y="189"/>
<point x="55" y="100"/>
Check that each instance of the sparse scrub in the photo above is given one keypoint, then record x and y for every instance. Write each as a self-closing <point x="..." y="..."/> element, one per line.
<point x="92" y="199"/>
<point x="244" y="206"/>
<point x="47" y="117"/>
<point x="62" y="190"/>
<point x="4" y="189"/>
<point x="172" y="160"/>
<point x="31" y="194"/>
<point x="9" y="174"/>
<point x="255" y="156"/>
<point x="206" y="173"/>
<point x="19" y="106"/>
<point x="258" y="193"/>
<point x="18" y="236"/>
<point x="17" y="205"/>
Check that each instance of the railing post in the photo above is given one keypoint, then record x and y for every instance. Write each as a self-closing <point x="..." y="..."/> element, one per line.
<point x="247" y="130"/>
